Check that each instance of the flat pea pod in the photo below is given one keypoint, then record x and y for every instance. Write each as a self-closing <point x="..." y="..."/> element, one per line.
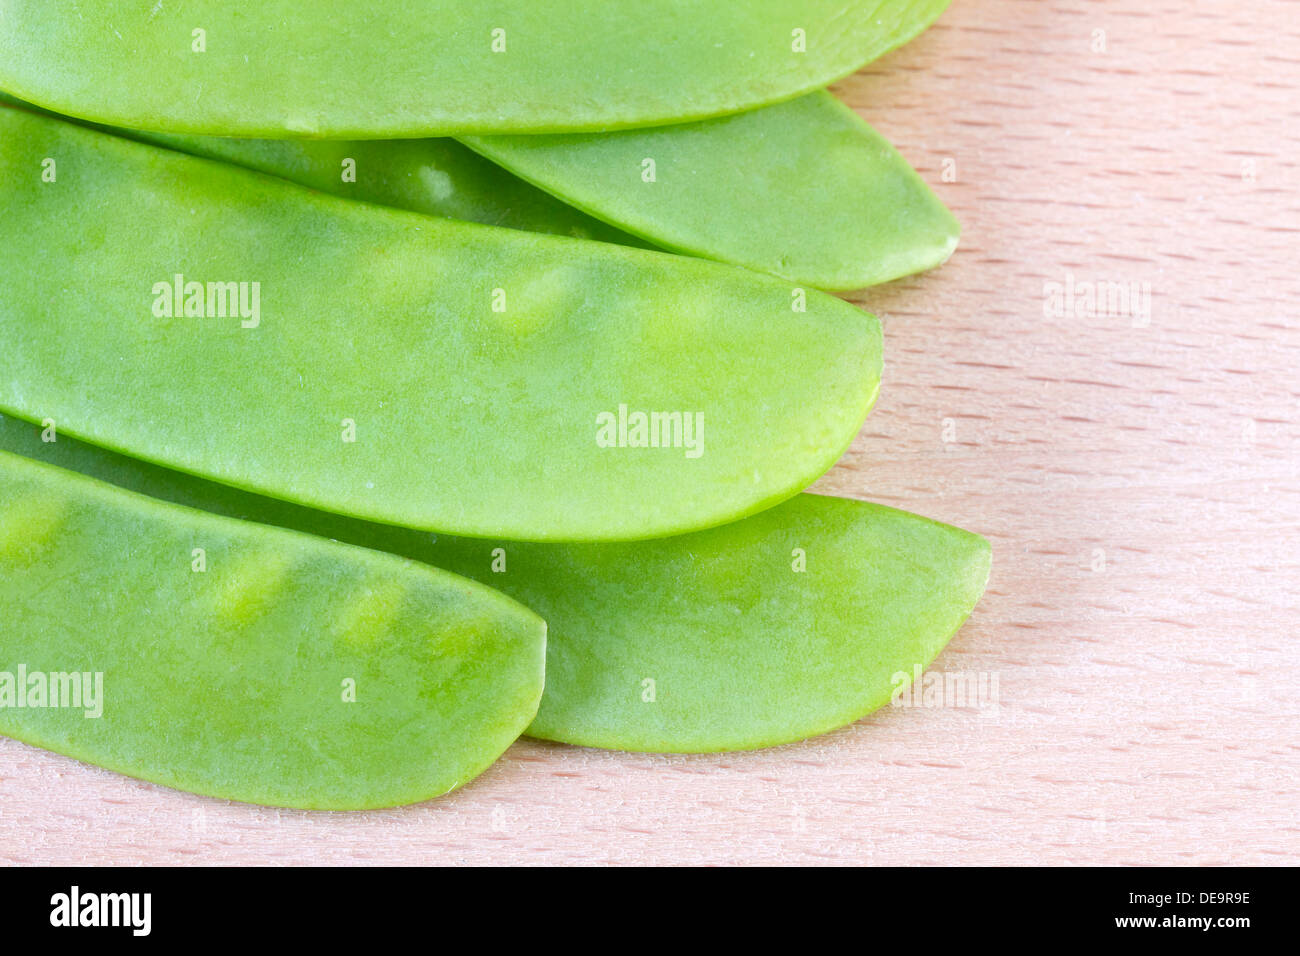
<point x="820" y="197"/>
<point x="401" y="368"/>
<point x="437" y="177"/>
<point x="343" y="70"/>
<point x="772" y="629"/>
<point x="780" y="627"/>
<point x="247" y="662"/>
<point x="804" y="190"/>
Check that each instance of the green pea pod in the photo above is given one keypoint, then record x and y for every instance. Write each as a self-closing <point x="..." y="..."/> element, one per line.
<point x="437" y="177"/>
<point x="809" y="161"/>
<point x="785" y="625"/>
<point x="780" y="627"/>
<point x="402" y="368"/>
<point x="335" y="69"/>
<point x="804" y="190"/>
<point x="247" y="662"/>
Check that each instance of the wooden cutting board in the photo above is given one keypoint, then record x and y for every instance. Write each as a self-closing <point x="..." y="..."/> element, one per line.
<point x="1134" y="461"/>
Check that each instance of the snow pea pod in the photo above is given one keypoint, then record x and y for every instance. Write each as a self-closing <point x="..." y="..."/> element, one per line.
<point x="809" y="161"/>
<point x="402" y="368"/>
<point x="438" y="177"/>
<point x="411" y="68"/>
<point x="804" y="190"/>
<point x="243" y="661"/>
<point x="821" y="198"/>
<point x="778" y="627"/>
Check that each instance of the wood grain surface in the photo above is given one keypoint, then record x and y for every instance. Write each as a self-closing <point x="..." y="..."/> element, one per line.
<point x="1136" y="470"/>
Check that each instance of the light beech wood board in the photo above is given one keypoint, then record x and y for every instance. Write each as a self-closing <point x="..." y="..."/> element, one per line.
<point x="1137" y="474"/>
